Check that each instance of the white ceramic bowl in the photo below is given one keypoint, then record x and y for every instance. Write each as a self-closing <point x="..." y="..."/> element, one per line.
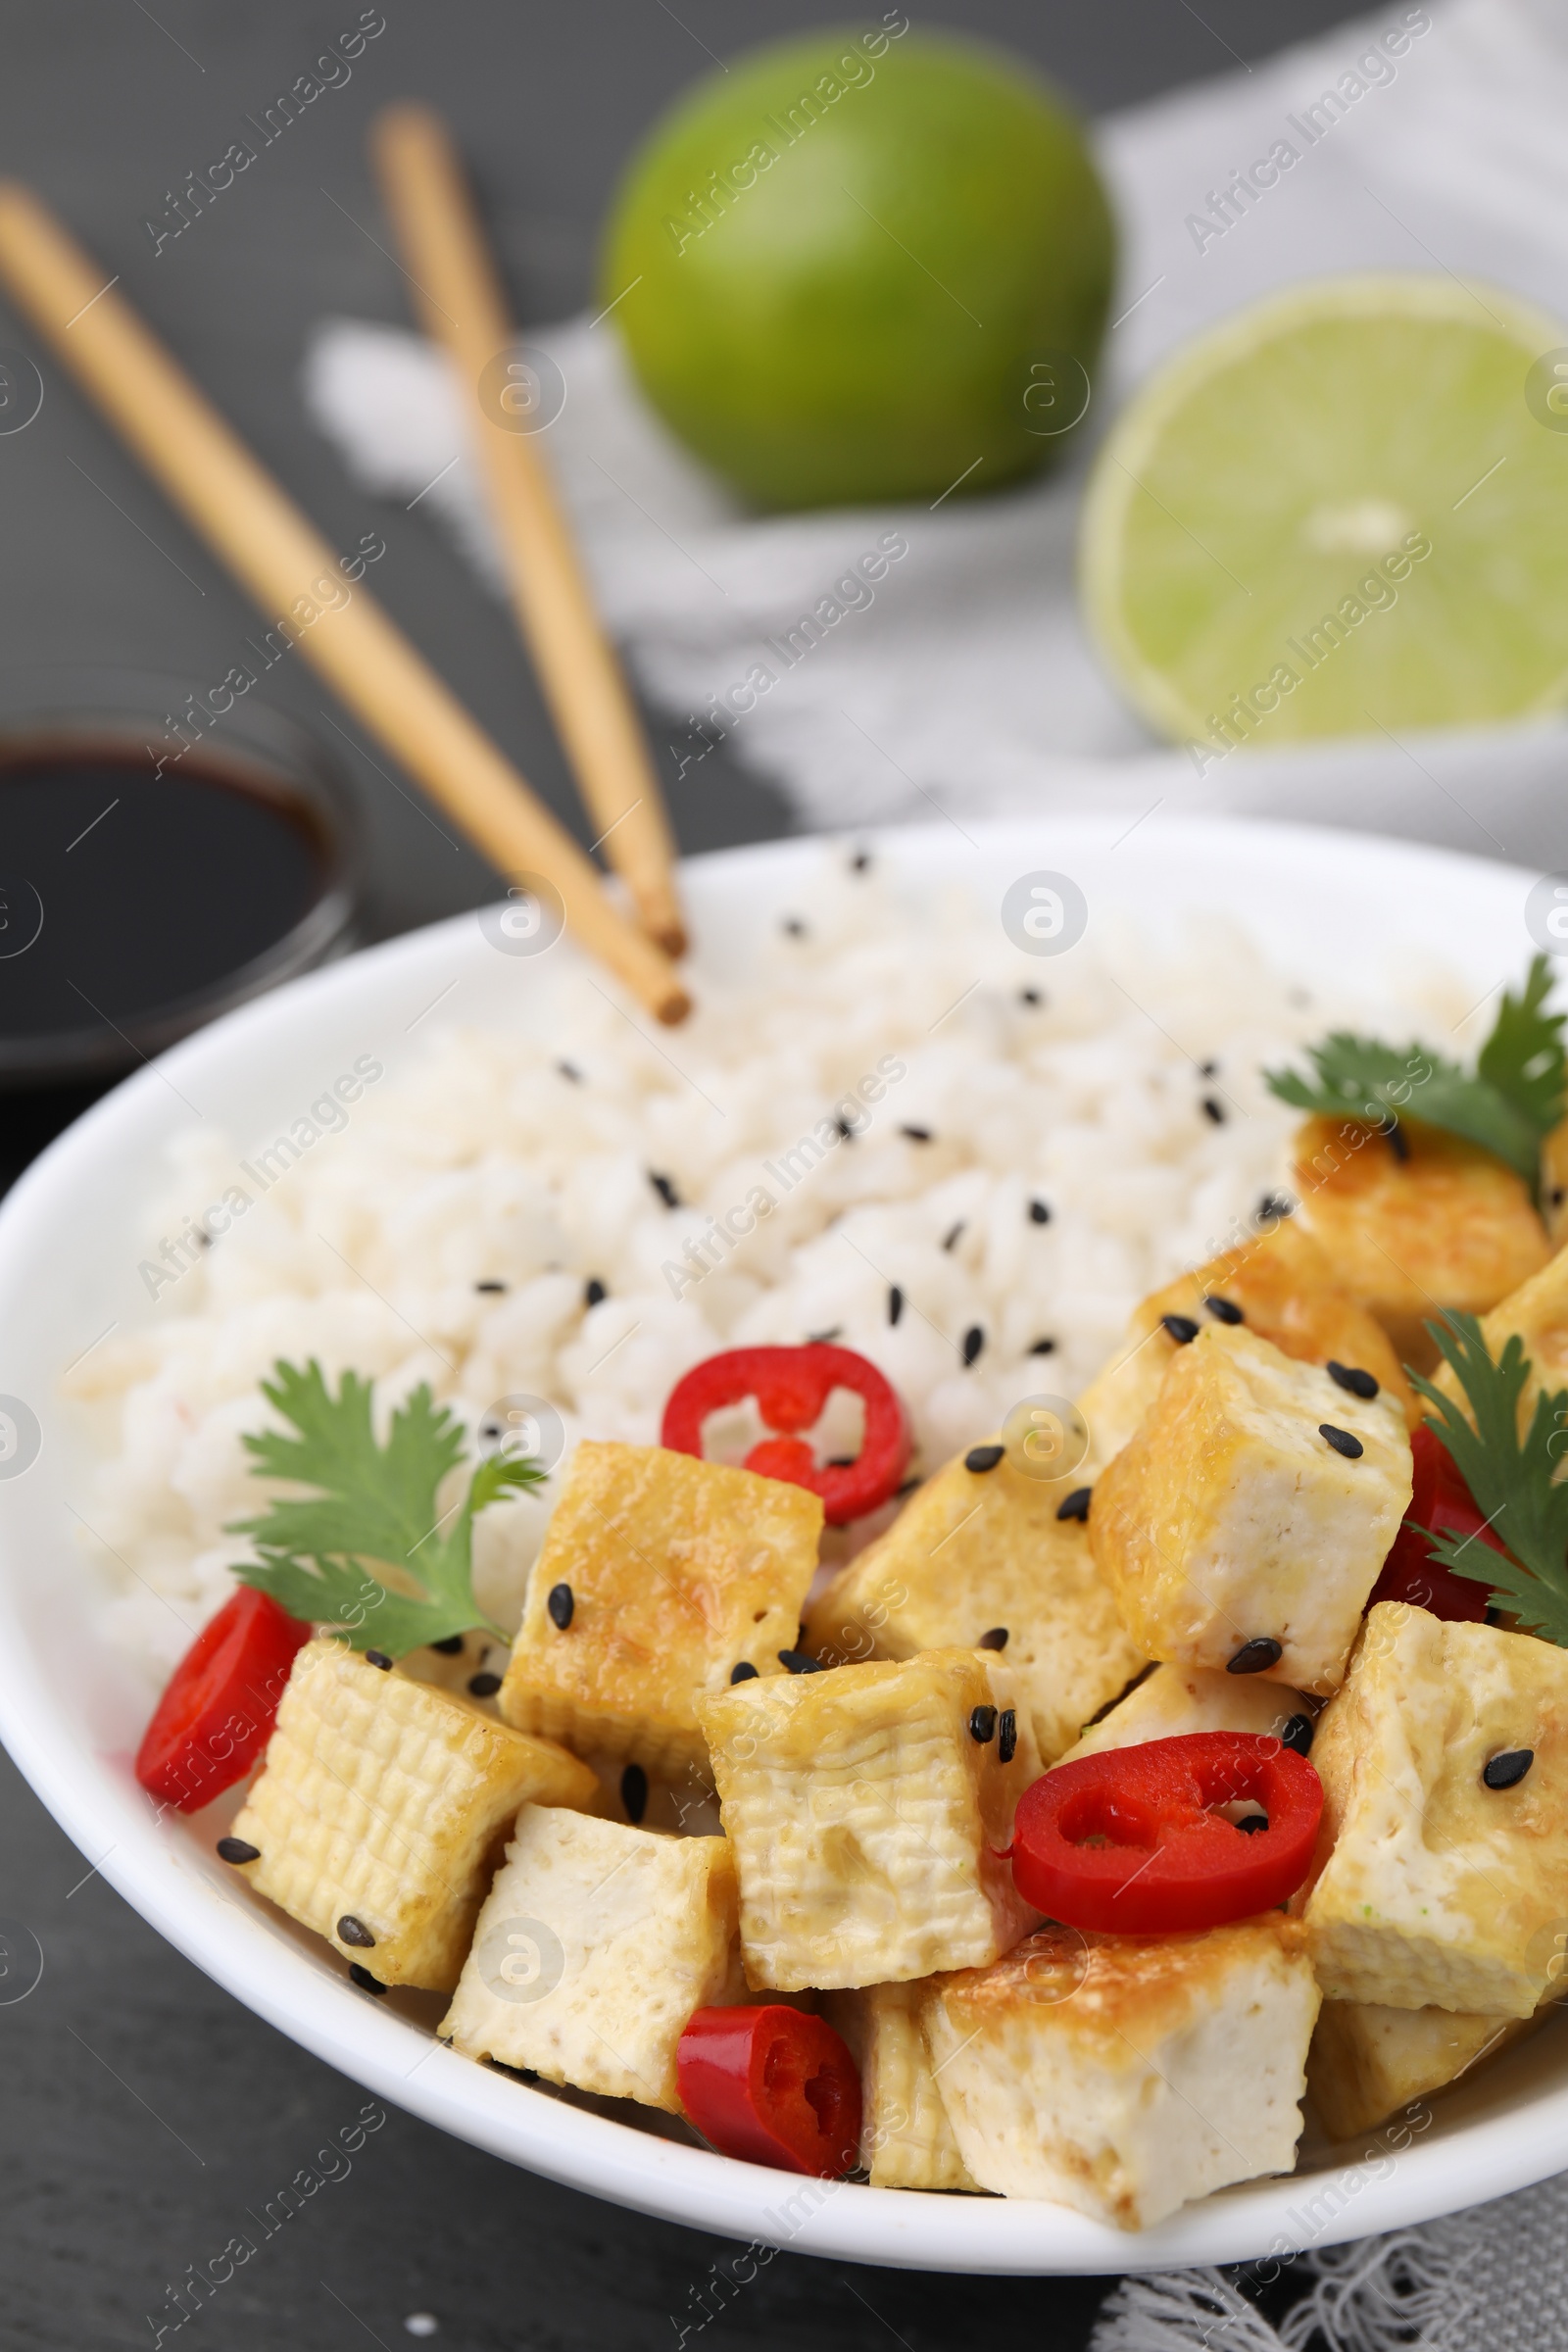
<point x="72" y="1714"/>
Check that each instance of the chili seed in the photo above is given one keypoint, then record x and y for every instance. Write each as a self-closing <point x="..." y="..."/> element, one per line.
<point x="1214" y="1109"/>
<point x="949" y="1240"/>
<point x="1358" y="1383"/>
<point x="1254" y="1655"/>
<point x="354" y="1931"/>
<point x="1039" y="1213"/>
<point x="363" y="1977"/>
<point x="1273" y="1206"/>
<point x="379" y="1657"/>
<point x="451" y="1647"/>
<point x="895" y="1304"/>
<point x="1252" y="1821"/>
<point x="489" y="1286"/>
<point x="997" y="1638"/>
<point x="1224" y="1310"/>
<point x="1296" y="1734"/>
<point x="1341" y="1441"/>
<point x="1183" y="1329"/>
<point x="796" y="1661"/>
<point x="982" y="1724"/>
<point x="745" y="1672"/>
<point x="664" y="1189"/>
<point x="235" y="1850"/>
<point x="1076" y="1504"/>
<point x="974" y="1339"/>
<point x="484" y="1686"/>
<point x="1509" y="1766"/>
<point x="983" y="1457"/>
<point x="634" y="1793"/>
<point x="1007" y="1735"/>
<point x="918" y="1134"/>
<point x="593" y="1291"/>
<point x="1042" y="1348"/>
<point x="561" y="1603"/>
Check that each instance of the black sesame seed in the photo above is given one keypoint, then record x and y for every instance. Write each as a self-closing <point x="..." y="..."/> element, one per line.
<point x="794" y="927"/>
<point x="949" y="1240"/>
<point x="1273" y="1206"/>
<point x="1252" y="1821"/>
<point x="489" y="1286"/>
<point x="1296" y="1734"/>
<point x="1253" y="1656"/>
<point x="974" y="1339"/>
<point x="846" y="1131"/>
<point x="451" y="1647"/>
<point x="895" y="1304"/>
<point x="561" y="1603"/>
<point x="1360" y="1384"/>
<point x="634" y="1793"/>
<point x="820" y="1339"/>
<point x="1042" y="1348"/>
<point x="982" y="1724"/>
<point x="484" y="1686"/>
<point x="1007" y="1735"/>
<point x="570" y="1070"/>
<point x="1039" y="1213"/>
<point x="1183" y="1329"/>
<point x="1507" y="1769"/>
<point x="796" y="1661"/>
<point x="1398" y="1144"/>
<point x="363" y="1977"/>
<point x="593" y="1290"/>
<point x="1030" y="996"/>
<point x="1076" y="1504"/>
<point x="1341" y="1441"/>
<point x="1556" y="1197"/>
<point x="379" y="1657"/>
<point x="983" y="1457"/>
<point x="354" y="1931"/>
<point x="235" y="1850"/>
<point x="664" y="1189"/>
<point x="1214" y="1109"/>
<point x="916" y="1134"/>
<point x="745" y="1672"/>
<point x="997" y="1638"/>
<point x="1224" y="1310"/>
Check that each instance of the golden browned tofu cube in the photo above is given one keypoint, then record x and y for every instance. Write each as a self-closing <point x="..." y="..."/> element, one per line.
<point x="975" y="1552"/>
<point x="659" y="1576"/>
<point x="1366" y="2062"/>
<point x="380" y="1807"/>
<point x="1124" y="2074"/>
<point x="1282" y="1287"/>
<point x="905" y="2139"/>
<point x="1538" y="1312"/>
<point x="596" y="1943"/>
<point x="1174" y="1701"/>
<point x="867" y="1806"/>
<point x="1244" y="1525"/>
<point x="1449" y="1225"/>
<point x="1434" y="1889"/>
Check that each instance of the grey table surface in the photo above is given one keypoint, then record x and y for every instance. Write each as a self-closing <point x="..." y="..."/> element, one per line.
<point x="142" y="2110"/>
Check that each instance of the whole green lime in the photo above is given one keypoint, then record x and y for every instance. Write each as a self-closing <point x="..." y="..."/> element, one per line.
<point x="864" y="266"/>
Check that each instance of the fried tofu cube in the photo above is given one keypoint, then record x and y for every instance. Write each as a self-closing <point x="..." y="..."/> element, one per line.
<point x="1431" y="1889"/>
<point x="1232" y="1519"/>
<point x="1446" y="1225"/>
<point x="1174" y="1701"/>
<point x="381" y="1804"/>
<point x="1122" y="2075"/>
<point x="867" y="1806"/>
<point x="1282" y="1287"/>
<point x="973" y="1552"/>
<point x="675" y="1571"/>
<point x="1537" y="1313"/>
<point x="1366" y="2062"/>
<point x="595" y="1944"/>
<point x="905" y="2139"/>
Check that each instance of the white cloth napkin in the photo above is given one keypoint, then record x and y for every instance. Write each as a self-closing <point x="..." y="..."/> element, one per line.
<point x="961" y="680"/>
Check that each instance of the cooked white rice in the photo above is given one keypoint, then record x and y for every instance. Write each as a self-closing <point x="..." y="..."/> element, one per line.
<point x="490" y="1163"/>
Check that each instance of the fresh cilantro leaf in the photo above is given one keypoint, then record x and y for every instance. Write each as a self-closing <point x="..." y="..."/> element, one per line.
<point x="1359" y="1078"/>
<point x="1512" y="1478"/>
<point x="324" y="1557"/>
<point x="1523" y="1059"/>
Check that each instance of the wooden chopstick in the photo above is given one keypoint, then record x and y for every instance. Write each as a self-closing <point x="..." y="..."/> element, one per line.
<point x="276" y="553"/>
<point x="458" y="298"/>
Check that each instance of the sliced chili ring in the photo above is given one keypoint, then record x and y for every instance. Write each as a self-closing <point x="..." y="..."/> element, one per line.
<point x="791" y="1386"/>
<point x="771" y="2085"/>
<point x="218" y="1712"/>
<point x="1441" y="1504"/>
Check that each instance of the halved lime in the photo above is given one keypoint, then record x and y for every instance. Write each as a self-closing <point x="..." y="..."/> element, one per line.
<point x="1342" y="510"/>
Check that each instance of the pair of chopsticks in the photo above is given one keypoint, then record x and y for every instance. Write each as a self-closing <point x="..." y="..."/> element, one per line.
<point x="277" y="553"/>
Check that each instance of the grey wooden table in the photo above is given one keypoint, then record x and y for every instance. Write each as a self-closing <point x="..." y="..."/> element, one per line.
<point x="142" y="2111"/>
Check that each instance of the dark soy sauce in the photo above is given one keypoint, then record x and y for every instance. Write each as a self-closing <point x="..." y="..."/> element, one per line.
<point x="153" y="890"/>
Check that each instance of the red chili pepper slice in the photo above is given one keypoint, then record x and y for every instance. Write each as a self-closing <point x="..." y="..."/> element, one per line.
<point x="791" y="1386"/>
<point x="1442" y="1502"/>
<point x="1129" y="1843"/>
<point x="771" y="2085"/>
<point x="219" y="1710"/>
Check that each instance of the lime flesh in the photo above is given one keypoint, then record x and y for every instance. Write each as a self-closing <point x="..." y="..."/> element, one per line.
<point x="1336" y="514"/>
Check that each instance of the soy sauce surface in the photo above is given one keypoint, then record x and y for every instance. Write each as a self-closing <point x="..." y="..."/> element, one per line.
<point x="151" y="889"/>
